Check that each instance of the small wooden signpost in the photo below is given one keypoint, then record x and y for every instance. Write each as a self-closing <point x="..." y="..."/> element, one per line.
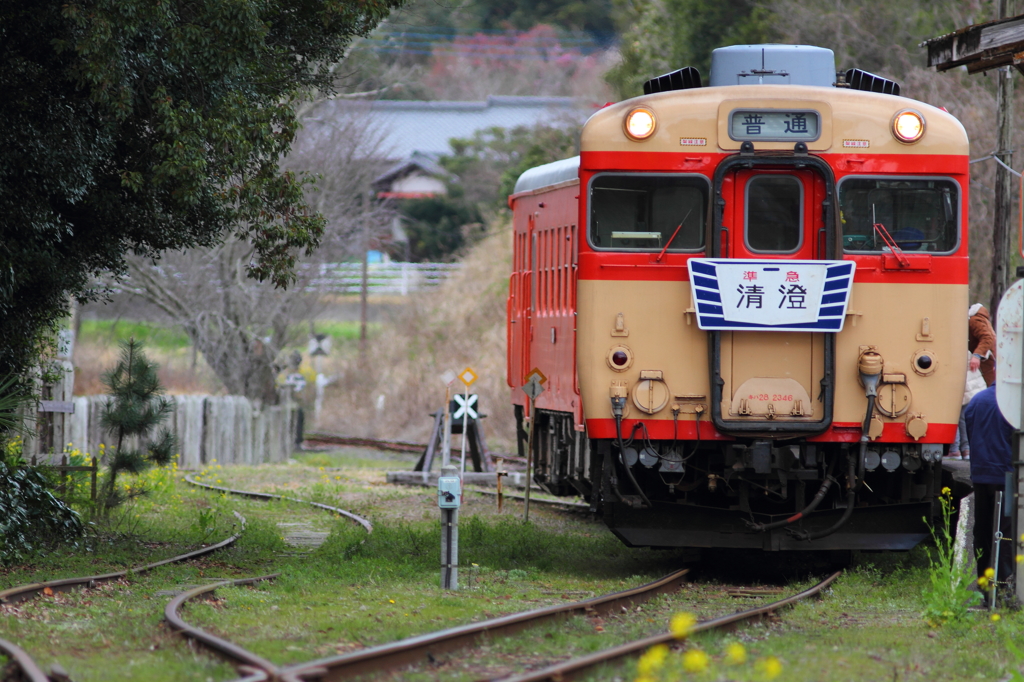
<point x="533" y="387"/>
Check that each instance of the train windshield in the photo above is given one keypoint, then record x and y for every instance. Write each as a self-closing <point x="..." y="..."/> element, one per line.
<point x="637" y="212"/>
<point x="919" y="215"/>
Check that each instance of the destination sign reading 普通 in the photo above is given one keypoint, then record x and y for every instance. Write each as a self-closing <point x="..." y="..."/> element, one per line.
<point x="774" y="125"/>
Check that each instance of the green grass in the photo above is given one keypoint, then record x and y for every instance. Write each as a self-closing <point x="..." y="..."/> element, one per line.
<point x="344" y="330"/>
<point x="357" y="590"/>
<point x="358" y="458"/>
<point x="171" y="338"/>
<point x="155" y="336"/>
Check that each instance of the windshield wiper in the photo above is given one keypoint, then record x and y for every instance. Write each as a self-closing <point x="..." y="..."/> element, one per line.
<point x="669" y="242"/>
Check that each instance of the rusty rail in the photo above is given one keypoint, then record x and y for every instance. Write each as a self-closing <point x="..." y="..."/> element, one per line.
<point x="392" y="445"/>
<point x="570" y="669"/>
<point x="365" y="523"/>
<point x="418" y="649"/>
<point x="254" y="667"/>
<point x="23" y="592"/>
<point x="30" y="670"/>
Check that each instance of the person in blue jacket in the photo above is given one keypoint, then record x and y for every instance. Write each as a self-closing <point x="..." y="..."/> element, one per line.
<point x="991" y="438"/>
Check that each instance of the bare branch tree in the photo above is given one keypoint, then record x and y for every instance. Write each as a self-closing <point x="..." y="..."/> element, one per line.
<point x="240" y="325"/>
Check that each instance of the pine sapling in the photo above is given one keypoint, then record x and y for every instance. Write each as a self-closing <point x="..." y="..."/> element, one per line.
<point x="137" y="407"/>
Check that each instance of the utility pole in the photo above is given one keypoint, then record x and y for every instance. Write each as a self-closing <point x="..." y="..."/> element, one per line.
<point x="364" y="287"/>
<point x="995" y="45"/>
<point x="1002" y="226"/>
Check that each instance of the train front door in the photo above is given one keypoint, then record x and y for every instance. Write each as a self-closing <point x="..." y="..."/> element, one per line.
<point x="772" y="381"/>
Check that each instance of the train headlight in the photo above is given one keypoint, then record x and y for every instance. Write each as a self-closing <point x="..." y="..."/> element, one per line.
<point x="908" y="126"/>
<point x="640" y="123"/>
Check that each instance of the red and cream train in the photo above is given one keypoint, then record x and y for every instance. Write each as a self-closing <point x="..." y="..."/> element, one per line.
<point x="748" y="299"/>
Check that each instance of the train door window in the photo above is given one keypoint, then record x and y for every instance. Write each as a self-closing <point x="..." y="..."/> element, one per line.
<point x="774" y="208"/>
<point x="644" y="212"/>
<point x="919" y="214"/>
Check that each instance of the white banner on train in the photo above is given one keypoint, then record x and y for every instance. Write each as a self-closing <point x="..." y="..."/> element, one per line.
<point x="771" y="295"/>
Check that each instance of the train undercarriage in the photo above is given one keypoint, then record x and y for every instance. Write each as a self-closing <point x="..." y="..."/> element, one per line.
<point x="782" y="494"/>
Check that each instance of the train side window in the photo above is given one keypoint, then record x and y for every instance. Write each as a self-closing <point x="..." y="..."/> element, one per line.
<point x="642" y="212"/>
<point x="921" y="215"/>
<point x="774" y="208"/>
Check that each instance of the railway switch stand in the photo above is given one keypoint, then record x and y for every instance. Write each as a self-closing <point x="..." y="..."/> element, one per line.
<point x="449" y="499"/>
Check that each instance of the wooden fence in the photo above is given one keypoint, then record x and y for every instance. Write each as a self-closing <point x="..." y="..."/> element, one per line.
<point x="229" y="429"/>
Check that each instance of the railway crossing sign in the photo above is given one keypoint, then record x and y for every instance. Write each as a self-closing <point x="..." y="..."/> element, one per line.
<point x="468" y="377"/>
<point x="319" y="344"/>
<point x="465" y="406"/>
<point x="534" y="386"/>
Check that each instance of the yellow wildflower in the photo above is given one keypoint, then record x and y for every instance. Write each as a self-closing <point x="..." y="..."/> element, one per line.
<point x="652" y="660"/>
<point x="695" y="661"/>
<point x="682" y="624"/>
<point x="1019" y="558"/>
<point x="770" y="667"/>
<point x="995" y="617"/>
<point x="983" y="582"/>
<point x="735" y="654"/>
<point x="990" y="573"/>
<point x="947" y="491"/>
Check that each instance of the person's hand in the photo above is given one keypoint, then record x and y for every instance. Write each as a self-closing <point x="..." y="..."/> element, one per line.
<point x="975" y="363"/>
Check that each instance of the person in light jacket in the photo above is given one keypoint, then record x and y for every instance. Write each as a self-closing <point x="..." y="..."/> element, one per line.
<point x="961" y="447"/>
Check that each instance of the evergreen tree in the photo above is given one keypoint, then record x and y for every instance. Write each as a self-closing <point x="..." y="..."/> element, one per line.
<point x="136" y="409"/>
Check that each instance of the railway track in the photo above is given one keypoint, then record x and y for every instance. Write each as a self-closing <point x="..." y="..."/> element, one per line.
<point x="22" y="592"/>
<point x="420" y="649"/>
<point x="20" y="659"/>
<point x="568" y="670"/>
<point x="313" y="439"/>
<point x="365" y="523"/>
<point x="255" y="668"/>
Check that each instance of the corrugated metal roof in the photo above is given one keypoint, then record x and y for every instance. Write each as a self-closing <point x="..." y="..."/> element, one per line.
<point x="415" y="126"/>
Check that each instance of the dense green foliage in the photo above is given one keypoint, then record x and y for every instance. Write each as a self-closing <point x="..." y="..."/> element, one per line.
<point x="490" y="162"/>
<point x="439" y="227"/>
<point x="661" y="36"/>
<point x="31" y="518"/>
<point x="135" y="410"/>
<point x="140" y="126"/>
<point x="595" y="17"/>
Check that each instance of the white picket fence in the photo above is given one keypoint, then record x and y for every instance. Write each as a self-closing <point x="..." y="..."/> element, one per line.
<point x="229" y="429"/>
<point x="381" y="278"/>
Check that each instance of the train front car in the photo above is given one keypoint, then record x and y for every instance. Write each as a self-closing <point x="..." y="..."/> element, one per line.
<point x="771" y="295"/>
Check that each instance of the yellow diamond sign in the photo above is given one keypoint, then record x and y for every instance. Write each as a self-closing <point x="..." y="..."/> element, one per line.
<point x="468" y="376"/>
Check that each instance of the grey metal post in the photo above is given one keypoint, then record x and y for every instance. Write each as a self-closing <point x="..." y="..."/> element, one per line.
<point x="450" y="549"/>
<point x="446" y="436"/>
<point x="997" y="539"/>
<point x="529" y="460"/>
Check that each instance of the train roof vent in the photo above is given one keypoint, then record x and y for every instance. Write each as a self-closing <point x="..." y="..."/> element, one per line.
<point x="683" y="79"/>
<point x="773" y="65"/>
<point x="862" y="80"/>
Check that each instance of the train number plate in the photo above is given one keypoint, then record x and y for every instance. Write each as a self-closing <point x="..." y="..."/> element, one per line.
<point x="771" y="295"/>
